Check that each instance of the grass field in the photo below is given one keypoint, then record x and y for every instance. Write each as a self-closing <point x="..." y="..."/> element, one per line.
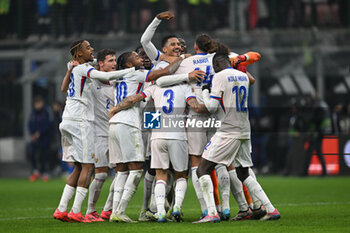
<point x="305" y="204"/>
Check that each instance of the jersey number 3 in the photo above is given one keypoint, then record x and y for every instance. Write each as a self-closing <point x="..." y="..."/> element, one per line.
<point x="170" y="95"/>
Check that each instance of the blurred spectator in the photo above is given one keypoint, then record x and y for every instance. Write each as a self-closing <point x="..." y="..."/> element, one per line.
<point x="29" y="17"/>
<point x="4" y="17"/>
<point x="345" y="121"/>
<point x="58" y="18"/>
<point x="55" y="148"/>
<point x="296" y="132"/>
<point x="335" y="117"/>
<point x="39" y="128"/>
<point x="320" y="124"/>
<point x="260" y="124"/>
<point x="43" y="18"/>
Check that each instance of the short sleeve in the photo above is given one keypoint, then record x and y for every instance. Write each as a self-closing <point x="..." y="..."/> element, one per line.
<point x="141" y="76"/>
<point x="218" y="87"/>
<point x="188" y="92"/>
<point x="161" y="65"/>
<point x="148" y="92"/>
<point x="85" y="69"/>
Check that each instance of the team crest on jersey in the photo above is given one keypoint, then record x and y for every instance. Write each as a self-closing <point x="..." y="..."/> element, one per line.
<point x="151" y="120"/>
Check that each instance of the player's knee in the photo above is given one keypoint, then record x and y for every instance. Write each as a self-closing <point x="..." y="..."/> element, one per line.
<point x="101" y="176"/>
<point x="242" y="173"/>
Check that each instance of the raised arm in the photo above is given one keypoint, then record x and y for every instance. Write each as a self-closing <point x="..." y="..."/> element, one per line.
<point x="170" y="69"/>
<point x="251" y="78"/>
<point x="151" y="51"/>
<point x="66" y="79"/>
<point x="112" y="75"/>
<point x="126" y="103"/>
<point x="169" y="80"/>
<point x="197" y="107"/>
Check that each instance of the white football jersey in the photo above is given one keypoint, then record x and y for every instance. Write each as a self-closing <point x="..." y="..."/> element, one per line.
<point x="130" y="85"/>
<point x="231" y="87"/>
<point x="79" y="101"/>
<point x="160" y="65"/>
<point x="201" y="61"/>
<point x="170" y="102"/>
<point x="103" y="102"/>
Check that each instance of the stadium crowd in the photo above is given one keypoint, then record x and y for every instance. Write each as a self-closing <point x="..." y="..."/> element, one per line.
<point x="60" y="19"/>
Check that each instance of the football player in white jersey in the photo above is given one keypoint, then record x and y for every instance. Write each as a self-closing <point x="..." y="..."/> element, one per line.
<point x="169" y="144"/>
<point x="171" y="48"/>
<point x="103" y="102"/>
<point x="126" y="146"/>
<point x="78" y="131"/>
<point x="198" y="138"/>
<point x="231" y="142"/>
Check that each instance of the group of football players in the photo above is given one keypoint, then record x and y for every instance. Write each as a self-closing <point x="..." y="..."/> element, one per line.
<point x="104" y="125"/>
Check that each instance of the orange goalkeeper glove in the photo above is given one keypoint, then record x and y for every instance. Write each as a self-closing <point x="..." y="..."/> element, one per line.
<point x="245" y="59"/>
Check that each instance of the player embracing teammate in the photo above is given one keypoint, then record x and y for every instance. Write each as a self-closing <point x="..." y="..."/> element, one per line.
<point x="230" y="145"/>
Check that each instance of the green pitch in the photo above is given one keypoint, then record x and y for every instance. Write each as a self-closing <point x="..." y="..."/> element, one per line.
<point x="305" y="204"/>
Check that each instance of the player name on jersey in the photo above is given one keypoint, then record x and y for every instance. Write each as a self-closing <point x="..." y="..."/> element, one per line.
<point x="237" y="78"/>
<point x="200" y="61"/>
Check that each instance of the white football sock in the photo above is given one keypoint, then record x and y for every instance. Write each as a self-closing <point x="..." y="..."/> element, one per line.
<point x="109" y="202"/>
<point x="224" y="186"/>
<point x="208" y="193"/>
<point x="147" y="190"/>
<point x="67" y="195"/>
<point x="159" y="194"/>
<point x="197" y="189"/>
<point x="254" y="188"/>
<point x="80" y="195"/>
<point x="119" y="188"/>
<point x="180" y="191"/>
<point x="256" y="201"/>
<point x="153" y="204"/>
<point x="237" y="191"/>
<point x="129" y="189"/>
<point x="95" y="190"/>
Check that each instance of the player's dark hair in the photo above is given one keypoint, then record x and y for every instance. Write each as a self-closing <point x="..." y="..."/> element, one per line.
<point x="205" y="43"/>
<point x="102" y="54"/>
<point x="221" y="61"/>
<point x="76" y="46"/>
<point x="122" y="60"/>
<point x="166" y="38"/>
<point x="222" y="48"/>
<point x="138" y="48"/>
